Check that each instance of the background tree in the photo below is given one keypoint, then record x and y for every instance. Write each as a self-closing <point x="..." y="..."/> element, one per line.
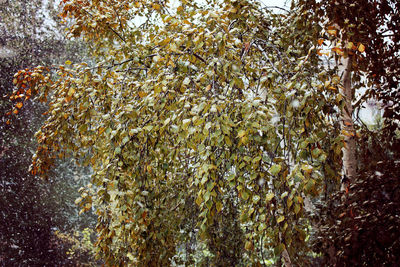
<point x="31" y="210"/>
<point x="352" y="217"/>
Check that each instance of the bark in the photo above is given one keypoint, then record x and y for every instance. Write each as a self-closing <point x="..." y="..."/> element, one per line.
<point x="286" y="258"/>
<point x="349" y="149"/>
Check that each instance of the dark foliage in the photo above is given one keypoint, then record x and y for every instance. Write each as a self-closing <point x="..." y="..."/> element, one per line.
<point x="362" y="227"/>
<point x="29" y="209"/>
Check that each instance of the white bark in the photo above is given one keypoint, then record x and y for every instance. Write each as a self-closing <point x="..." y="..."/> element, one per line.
<point x="349" y="149"/>
<point x="286" y="258"/>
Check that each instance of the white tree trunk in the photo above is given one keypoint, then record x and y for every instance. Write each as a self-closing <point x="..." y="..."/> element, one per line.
<point x="349" y="149"/>
<point x="286" y="258"/>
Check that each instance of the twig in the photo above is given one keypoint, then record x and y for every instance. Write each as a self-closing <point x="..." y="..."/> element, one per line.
<point x="277" y="7"/>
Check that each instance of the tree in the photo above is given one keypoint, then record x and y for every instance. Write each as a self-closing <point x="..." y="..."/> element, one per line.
<point x="371" y="28"/>
<point x="221" y="104"/>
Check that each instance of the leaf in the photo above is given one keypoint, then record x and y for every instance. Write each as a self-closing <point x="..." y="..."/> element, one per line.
<point x="297" y="208"/>
<point x="68" y="62"/>
<point x="156" y="6"/>
<point x="338" y="51"/>
<point x="245" y="195"/>
<point x="71" y="91"/>
<point x="241" y="133"/>
<point x="361" y="48"/>
<point x="199" y="200"/>
<point x="218" y="206"/>
<point x="186" y="123"/>
<point x="248" y="245"/>
<point x="19" y="105"/>
<point x="142" y="94"/>
<point x="165" y="41"/>
<point x="350" y="45"/>
<point x="231" y="177"/>
<point x="256" y="198"/>
<point x="332" y="32"/>
<point x="186" y="81"/>
<point x="307" y="168"/>
<point x="275" y="169"/>
<point x="269" y="197"/>
<point x="125" y="140"/>
<point x="280" y="219"/>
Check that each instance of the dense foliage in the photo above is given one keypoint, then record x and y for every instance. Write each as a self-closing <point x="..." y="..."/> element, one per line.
<point x="358" y="227"/>
<point x="209" y="126"/>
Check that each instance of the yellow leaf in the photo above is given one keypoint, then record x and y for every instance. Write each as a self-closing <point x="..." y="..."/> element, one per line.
<point x="361" y="48"/>
<point x="350" y="45"/>
<point x="164" y="42"/>
<point x="71" y="91"/>
<point x="199" y="200"/>
<point x="248" y="245"/>
<point x="148" y="167"/>
<point x="156" y="6"/>
<point x="19" y="105"/>
<point x="332" y="32"/>
<point x="142" y="94"/>
<point x="68" y="62"/>
<point x="322" y="52"/>
<point x="179" y="9"/>
<point x="338" y="51"/>
<point x="228" y="141"/>
<point x="347" y="133"/>
<point x="218" y="205"/>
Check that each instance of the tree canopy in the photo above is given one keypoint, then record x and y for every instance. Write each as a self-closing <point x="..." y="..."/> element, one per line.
<point x="212" y="123"/>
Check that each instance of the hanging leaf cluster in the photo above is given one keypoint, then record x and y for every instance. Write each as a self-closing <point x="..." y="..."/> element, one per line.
<point x="211" y="103"/>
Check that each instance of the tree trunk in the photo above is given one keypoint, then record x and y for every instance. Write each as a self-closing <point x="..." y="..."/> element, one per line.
<point x="349" y="149"/>
<point x="286" y="258"/>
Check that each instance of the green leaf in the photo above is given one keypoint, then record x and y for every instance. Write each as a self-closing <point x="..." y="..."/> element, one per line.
<point x="275" y="169"/>
<point x="218" y="206"/>
<point x="241" y="133"/>
<point x="245" y="195"/>
<point x="269" y="197"/>
<point x="256" y="198"/>
<point x="280" y="219"/>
